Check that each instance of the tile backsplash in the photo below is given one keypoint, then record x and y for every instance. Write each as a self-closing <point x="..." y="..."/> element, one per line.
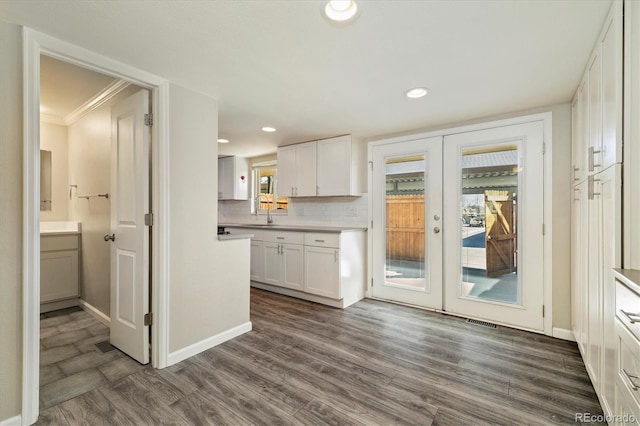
<point x="329" y="211"/>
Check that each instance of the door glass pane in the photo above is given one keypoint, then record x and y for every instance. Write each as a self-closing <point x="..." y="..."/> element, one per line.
<point x="405" y="214"/>
<point x="489" y="224"/>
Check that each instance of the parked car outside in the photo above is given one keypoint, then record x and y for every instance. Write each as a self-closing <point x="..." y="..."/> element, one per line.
<point x="477" y="221"/>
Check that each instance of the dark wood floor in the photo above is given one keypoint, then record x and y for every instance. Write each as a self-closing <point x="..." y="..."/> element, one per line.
<point x="372" y="363"/>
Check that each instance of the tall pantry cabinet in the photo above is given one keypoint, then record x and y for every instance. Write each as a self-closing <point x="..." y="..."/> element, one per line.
<point x="598" y="110"/>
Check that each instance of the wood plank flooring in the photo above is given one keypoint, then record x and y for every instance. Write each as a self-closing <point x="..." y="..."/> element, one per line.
<point x="373" y="363"/>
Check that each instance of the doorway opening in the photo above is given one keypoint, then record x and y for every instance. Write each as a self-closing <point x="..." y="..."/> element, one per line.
<point x="76" y="202"/>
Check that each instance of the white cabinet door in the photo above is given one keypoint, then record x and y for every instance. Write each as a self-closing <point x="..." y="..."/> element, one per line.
<point x="595" y="113"/>
<point x="233" y="180"/>
<point x="257" y="261"/>
<point x="322" y="271"/>
<point x="292" y="266"/>
<point x="272" y="263"/>
<point x="305" y="170"/>
<point x="594" y="307"/>
<point x="580" y="133"/>
<point x="286" y="170"/>
<point x="225" y="180"/>
<point x="609" y="224"/>
<point x="577" y="277"/>
<point x="58" y="275"/>
<point x="334" y="166"/>
<point x="611" y="52"/>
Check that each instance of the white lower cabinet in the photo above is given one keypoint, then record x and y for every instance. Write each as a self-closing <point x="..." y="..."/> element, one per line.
<point x="59" y="283"/>
<point x="322" y="271"/>
<point x="324" y="267"/>
<point x="257" y="260"/>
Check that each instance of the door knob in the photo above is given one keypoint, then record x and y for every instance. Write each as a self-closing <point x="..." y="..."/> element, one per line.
<point x="108" y="237"/>
<point x="436" y="230"/>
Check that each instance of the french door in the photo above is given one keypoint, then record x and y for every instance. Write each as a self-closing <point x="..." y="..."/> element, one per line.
<point x="465" y="238"/>
<point x="407" y="178"/>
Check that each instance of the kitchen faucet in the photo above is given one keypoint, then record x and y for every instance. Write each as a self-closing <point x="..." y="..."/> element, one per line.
<point x="259" y="199"/>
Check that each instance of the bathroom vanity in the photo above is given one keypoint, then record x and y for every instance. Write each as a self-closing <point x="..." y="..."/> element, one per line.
<point x="59" y="255"/>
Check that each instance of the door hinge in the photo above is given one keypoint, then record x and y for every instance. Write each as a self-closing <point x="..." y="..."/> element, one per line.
<point x="148" y="120"/>
<point x="148" y="319"/>
<point x="148" y="219"/>
<point x="542" y="311"/>
<point x="544" y="148"/>
<point x="371" y="282"/>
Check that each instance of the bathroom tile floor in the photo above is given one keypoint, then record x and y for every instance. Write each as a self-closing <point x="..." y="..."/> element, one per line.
<point x="70" y="362"/>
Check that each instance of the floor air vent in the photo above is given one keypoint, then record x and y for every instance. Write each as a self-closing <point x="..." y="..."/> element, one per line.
<point x="104" y="347"/>
<point x="481" y="323"/>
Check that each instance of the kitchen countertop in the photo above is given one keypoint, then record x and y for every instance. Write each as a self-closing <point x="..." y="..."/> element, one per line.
<point x="629" y="277"/>
<point x="299" y="228"/>
<point x="226" y="237"/>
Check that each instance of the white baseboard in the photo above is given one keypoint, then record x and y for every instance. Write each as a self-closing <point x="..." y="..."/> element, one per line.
<point x="94" y="312"/>
<point x="13" y="421"/>
<point x="564" y="334"/>
<point x="208" y="343"/>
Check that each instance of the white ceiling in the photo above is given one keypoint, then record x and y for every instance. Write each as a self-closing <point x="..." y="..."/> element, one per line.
<point x="280" y="63"/>
<point x="65" y="87"/>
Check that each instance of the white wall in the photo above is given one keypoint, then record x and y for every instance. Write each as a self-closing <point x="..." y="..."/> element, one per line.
<point x="10" y="220"/>
<point x="53" y="137"/>
<point x="209" y="279"/>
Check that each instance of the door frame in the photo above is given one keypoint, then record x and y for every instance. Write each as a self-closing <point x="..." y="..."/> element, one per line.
<point x="35" y="44"/>
<point x="547" y="119"/>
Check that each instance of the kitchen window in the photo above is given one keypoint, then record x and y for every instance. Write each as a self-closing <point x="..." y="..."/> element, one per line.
<point x="265" y="183"/>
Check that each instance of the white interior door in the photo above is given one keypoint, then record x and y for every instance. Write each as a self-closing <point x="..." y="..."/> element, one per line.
<point x="493" y="238"/>
<point x="130" y="244"/>
<point x="407" y="212"/>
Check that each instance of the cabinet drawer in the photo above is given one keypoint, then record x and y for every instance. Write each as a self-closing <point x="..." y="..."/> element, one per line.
<point x="289" y="237"/>
<point x="322" y="239"/>
<point x="58" y="242"/>
<point x="628" y="308"/>
<point x="628" y="369"/>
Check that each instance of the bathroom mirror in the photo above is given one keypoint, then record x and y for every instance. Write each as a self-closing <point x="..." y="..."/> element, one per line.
<point x="45" y="180"/>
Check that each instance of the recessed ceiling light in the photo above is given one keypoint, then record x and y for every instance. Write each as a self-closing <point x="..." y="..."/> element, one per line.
<point x="268" y="129"/>
<point x="341" y="10"/>
<point x="416" y="92"/>
<point x="223" y="140"/>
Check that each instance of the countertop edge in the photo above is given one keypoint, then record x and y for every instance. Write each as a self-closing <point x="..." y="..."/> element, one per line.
<point x="227" y="237"/>
<point x="298" y="228"/>
<point x="629" y="277"/>
<point x="54" y="233"/>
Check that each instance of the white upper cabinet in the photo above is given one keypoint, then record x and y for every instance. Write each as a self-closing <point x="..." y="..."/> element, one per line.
<point x="233" y="178"/>
<point x="337" y="167"/>
<point x="604" y="104"/>
<point x="297" y="170"/>
<point x="611" y="52"/>
<point x="324" y="168"/>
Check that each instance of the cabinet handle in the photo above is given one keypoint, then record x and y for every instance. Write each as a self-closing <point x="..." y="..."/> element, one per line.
<point x="296" y="191"/>
<point x="628" y="378"/>
<point x="319" y="241"/>
<point x="575" y="169"/>
<point x="632" y="318"/>
<point x="279" y="248"/>
<point x="591" y="184"/>
<point x="292" y="191"/>
<point x="317" y="190"/>
<point x="592" y="153"/>
<point x="279" y="238"/>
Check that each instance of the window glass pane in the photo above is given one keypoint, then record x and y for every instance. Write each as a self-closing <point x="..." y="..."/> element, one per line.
<point x="489" y="226"/>
<point x="405" y="198"/>
<point x="265" y="197"/>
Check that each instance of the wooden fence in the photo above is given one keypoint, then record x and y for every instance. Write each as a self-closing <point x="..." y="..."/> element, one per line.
<point x="405" y="227"/>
